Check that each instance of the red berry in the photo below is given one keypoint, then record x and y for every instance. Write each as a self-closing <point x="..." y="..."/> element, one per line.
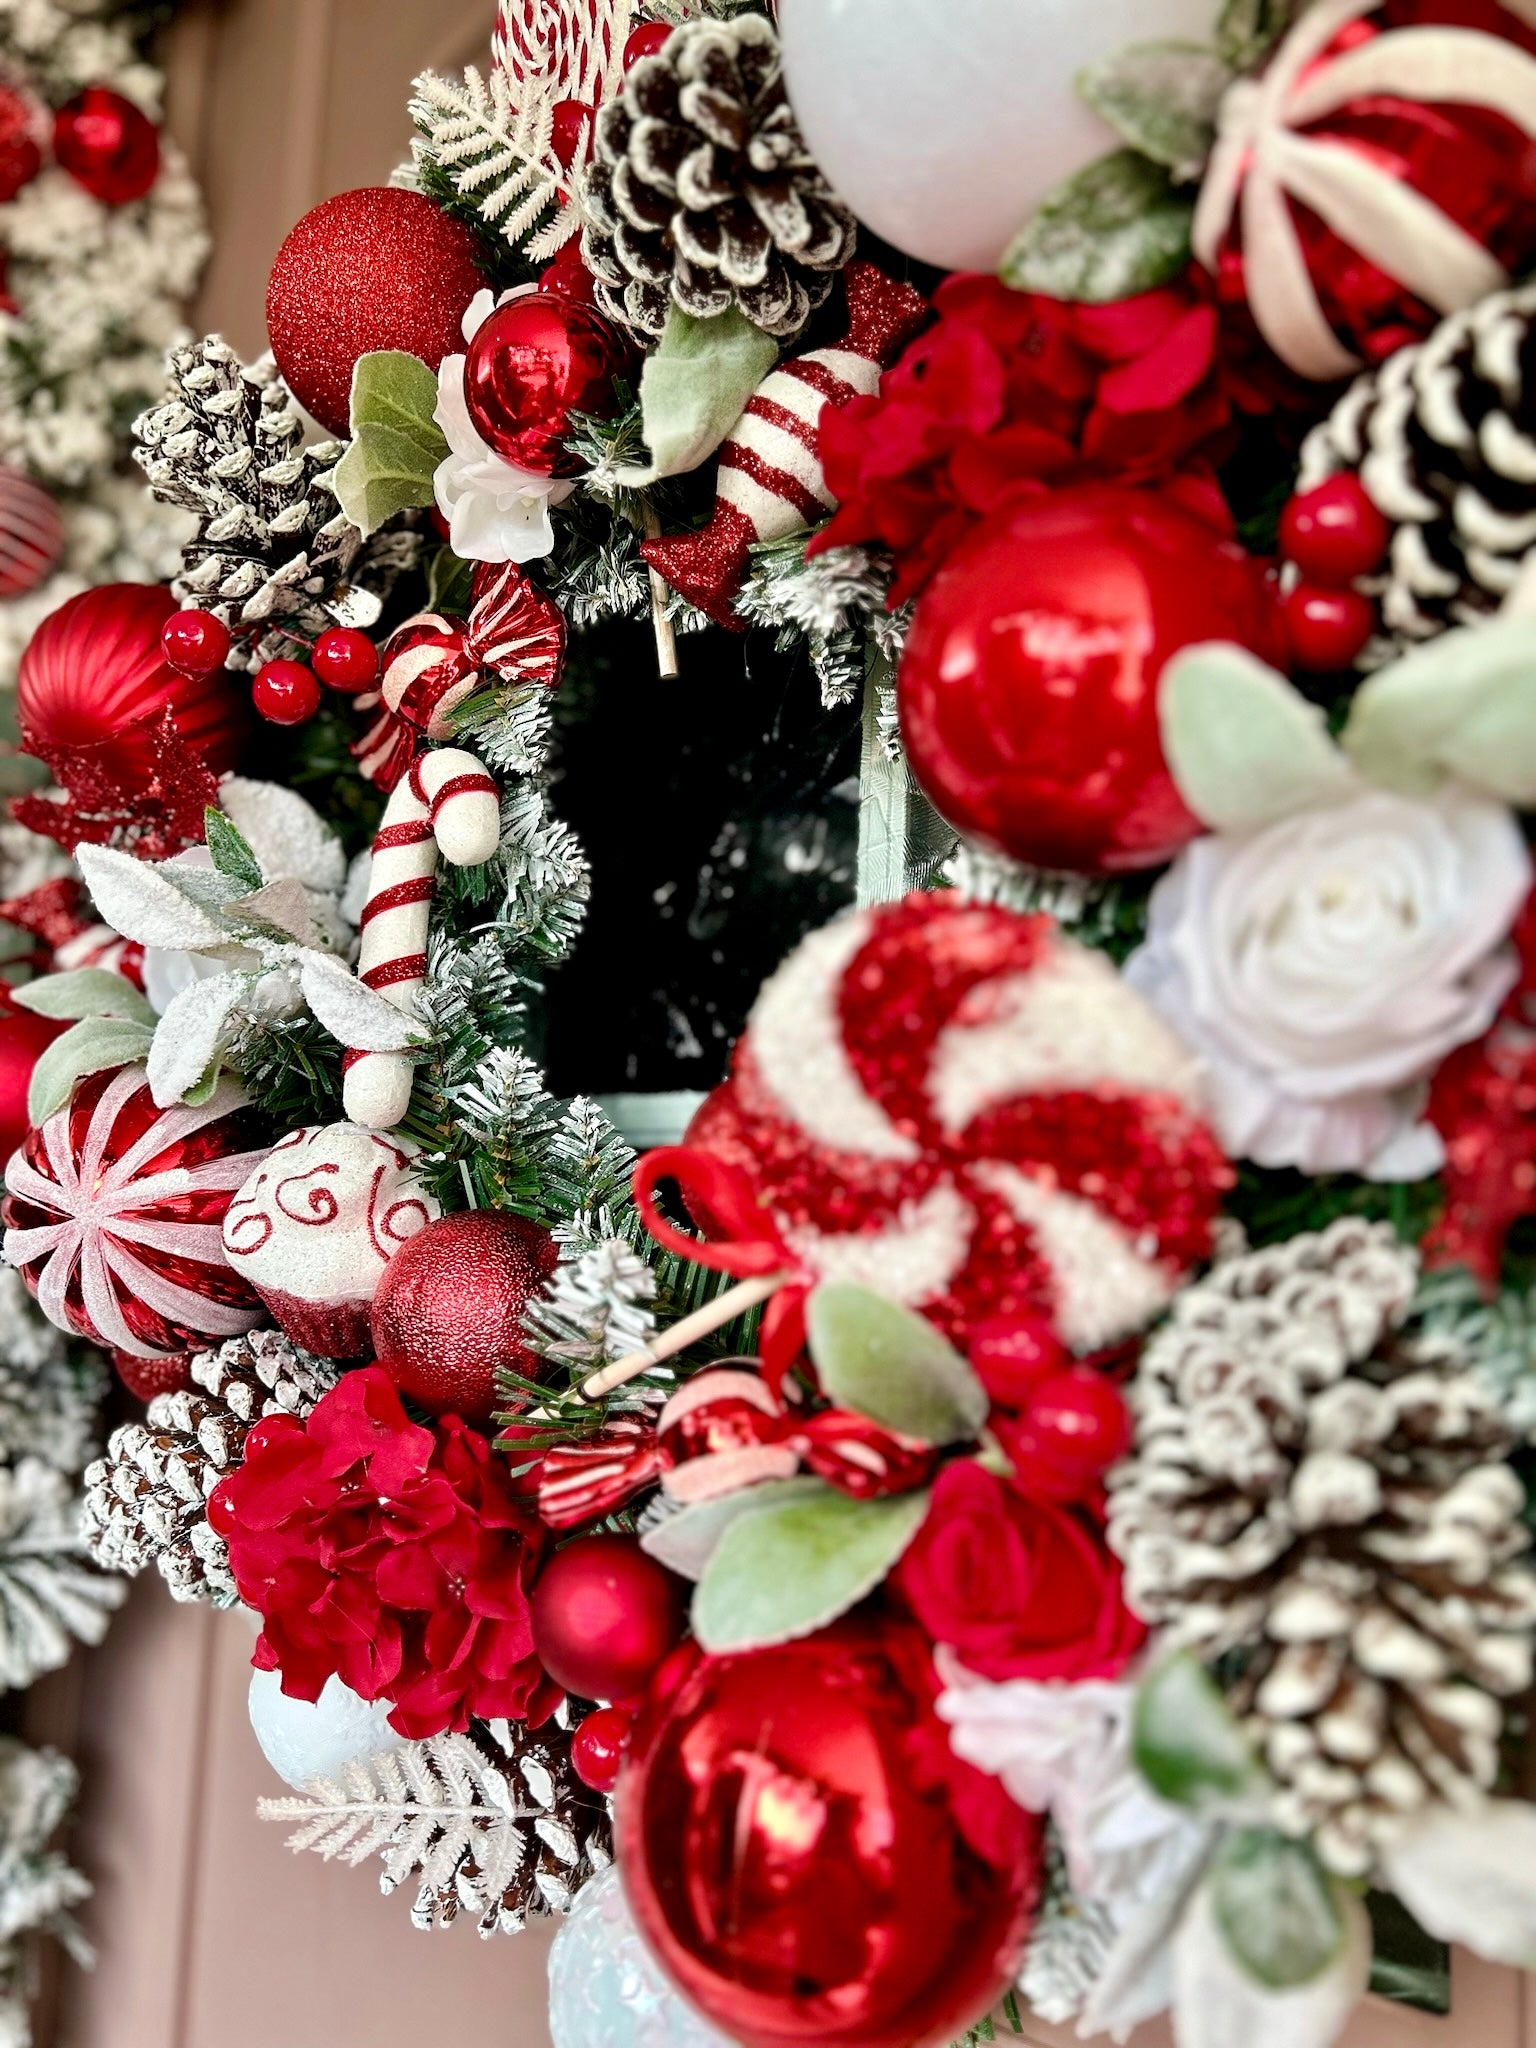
<point x="195" y="643"/>
<point x="1012" y="1355"/>
<point x="1334" y="533"/>
<point x="345" y="659"/>
<point x="570" y="130"/>
<point x="1074" y="1429"/>
<point x="645" y="41"/>
<point x="597" y="1747"/>
<point x="1327" y="628"/>
<point x="146" y="1377"/>
<point x="286" y="693"/>
<point x="568" y="277"/>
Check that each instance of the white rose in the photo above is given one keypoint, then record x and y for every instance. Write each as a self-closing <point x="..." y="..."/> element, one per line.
<point x="1324" y="966"/>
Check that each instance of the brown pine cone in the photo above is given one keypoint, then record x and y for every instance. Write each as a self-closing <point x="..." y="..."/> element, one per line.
<point x="701" y="191"/>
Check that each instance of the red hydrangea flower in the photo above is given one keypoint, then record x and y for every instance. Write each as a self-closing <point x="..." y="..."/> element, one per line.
<point x="398" y="1558"/>
<point x="1012" y="391"/>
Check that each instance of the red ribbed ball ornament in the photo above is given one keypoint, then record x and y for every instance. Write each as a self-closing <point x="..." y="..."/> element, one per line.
<point x="108" y="145"/>
<point x="796" y="1876"/>
<point x="368" y="270"/>
<point x="31" y="533"/>
<point x="606" y="1617"/>
<point x="448" y="1314"/>
<point x="1029" y="687"/>
<point x="535" y="362"/>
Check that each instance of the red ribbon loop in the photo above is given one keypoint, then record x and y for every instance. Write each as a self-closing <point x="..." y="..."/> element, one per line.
<point x="743" y="1238"/>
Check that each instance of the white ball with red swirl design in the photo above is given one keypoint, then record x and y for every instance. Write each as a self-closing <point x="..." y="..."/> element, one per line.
<point x="315" y="1226"/>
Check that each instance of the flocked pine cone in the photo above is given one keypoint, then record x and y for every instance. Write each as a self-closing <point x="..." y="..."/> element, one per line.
<point x="1328" y="1497"/>
<point x="1443" y="438"/>
<point x="701" y="190"/>
<point x="146" y="1500"/>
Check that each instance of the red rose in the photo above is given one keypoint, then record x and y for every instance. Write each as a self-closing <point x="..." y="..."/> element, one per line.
<point x="1017" y="1588"/>
<point x="1012" y="391"/>
<point x="397" y="1558"/>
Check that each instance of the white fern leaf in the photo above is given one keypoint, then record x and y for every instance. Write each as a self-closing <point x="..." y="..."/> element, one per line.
<point x="499" y="156"/>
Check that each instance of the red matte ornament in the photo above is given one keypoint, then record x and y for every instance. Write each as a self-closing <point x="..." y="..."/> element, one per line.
<point x="1326" y="628"/>
<point x="1334" y="533"/>
<point x="196" y="643"/>
<point x="448" y="1314"/>
<point x="345" y="659"/>
<point x="31" y="533"/>
<point x="533" y="363"/>
<point x="108" y="145"/>
<point x="24" y="1037"/>
<point x="606" y="1617"/>
<point x="286" y="693"/>
<point x="796" y="1876"/>
<point x="1028" y="690"/>
<point x="21" y="158"/>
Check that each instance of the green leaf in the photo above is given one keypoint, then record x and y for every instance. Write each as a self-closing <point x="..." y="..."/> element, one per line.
<point x="1161" y="98"/>
<point x="686" y="1541"/>
<point x="231" y="851"/>
<point x="1248" y="29"/>
<point x="385" y="471"/>
<point x="88" y="992"/>
<point x="398" y="391"/>
<point x="1245" y="747"/>
<point x="695" y="387"/>
<point x="94" y="1044"/>
<point x="203" y="1090"/>
<point x="1185" y="1740"/>
<point x="1112" y="229"/>
<point x="1276" y="1908"/>
<point x="892" y="1366"/>
<point x="449" y="583"/>
<point x="1463" y="705"/>
<point x="789" y="1570"/>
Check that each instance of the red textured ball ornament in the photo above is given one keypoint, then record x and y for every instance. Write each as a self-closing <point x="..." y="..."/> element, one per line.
<point x="24" y="1037"/>
<point x="534" y="363"/>
<point x="1028" y="690"/>
<point x="783" y="1864"/>
<point x="108" y="145"/>
<point x="371" y="269"/>
<point x="449" y="1310"/>
<point x="31" y="534"/>
<point x="21" y="157"/>
<point x="606" y="1617"/>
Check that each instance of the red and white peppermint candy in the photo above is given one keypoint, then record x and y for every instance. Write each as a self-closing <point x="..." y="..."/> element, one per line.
<point x="99" y="946"/>
<point x="567" y="49"/>
<point x="31" y="534"/>
<point x="974" y="1116"/>
<point x="115" y="1212"/>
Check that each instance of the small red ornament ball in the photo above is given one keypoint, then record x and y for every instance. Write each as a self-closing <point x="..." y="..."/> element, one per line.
<point x="196" y="643"/>
<point x="23" y="1038"/>
<point x="598" y="1746"/>
<point x="108" y="145"/>
<point x="606" y="1617"/>
<point x="571" y="124"/>
<point x="21" y="157"/>
<point x="1327" y="628"/>
<point x="372" y="269"/>
<point x="1334" y="533"/>
<point x="285" y="693"/>
<point x="794" y="1874"/>
<point x="31" y="533"/>
<point x="448" y="1314"/>
<point x="534" y="363"/>
<point x="1028" y="691"/>
<point x="345" y="659"/>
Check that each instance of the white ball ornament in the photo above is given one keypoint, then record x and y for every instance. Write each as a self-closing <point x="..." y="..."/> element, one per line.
<point x="303" y="1742"/>
<point x="606" y="1989"/>
<point x="944" y="123"/>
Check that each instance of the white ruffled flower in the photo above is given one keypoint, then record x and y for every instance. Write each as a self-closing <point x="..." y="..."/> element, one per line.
<point x="1324" y="966"/>
<point x="495" y="511"/>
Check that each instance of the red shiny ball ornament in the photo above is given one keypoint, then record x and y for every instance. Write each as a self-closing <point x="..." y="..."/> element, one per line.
<point x="345" y="659"/>
<point x="196" y="643"/>
<point x="1327" y="628"/>
<point x="1028" y="690"/>
<point x="31" y="533"/>
<point x="108" y="145"/>
<point x="1075" y="1427"/>
<point x="448" y="1315"/>
<point x="286" y="693"/>
<point x="1013" y="1355"/>
<point x="535" y="362"/>
<point x="146" y="1377"/>
<point x="598" y="1746"/>
<point x="94" y="676"/>
<point x="785" y="1867"/>
<point x="606" y="1617"/>
<point x="1334" y="533"/>
<point x="24" y="1037"/>
<point x="372" y="269"/>
<point x="570" y="130"/>
<point x="21" y="157"/>
<point x="645" y="41"/>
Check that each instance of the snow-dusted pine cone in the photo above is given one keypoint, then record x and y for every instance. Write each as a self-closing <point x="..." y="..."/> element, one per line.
<point x="146" y="1500"/>
<point x="701" y="190"/>
<point x="1327" y="1496"/>
<point x="1443" y="437"/>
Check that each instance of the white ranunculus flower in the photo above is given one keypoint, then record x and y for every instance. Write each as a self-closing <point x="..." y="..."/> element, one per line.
<point x="1324" y="966"/>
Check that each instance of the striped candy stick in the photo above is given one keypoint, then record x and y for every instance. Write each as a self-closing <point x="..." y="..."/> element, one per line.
<point x="446" y="805"/>
<point x="771" y="482"/>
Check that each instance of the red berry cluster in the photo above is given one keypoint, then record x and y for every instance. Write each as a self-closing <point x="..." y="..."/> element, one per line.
<point x="196" y="643"/>
<point x="1334" y="534"/>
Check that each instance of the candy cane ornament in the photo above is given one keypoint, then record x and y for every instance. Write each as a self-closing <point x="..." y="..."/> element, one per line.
<point x="447" y="805"/>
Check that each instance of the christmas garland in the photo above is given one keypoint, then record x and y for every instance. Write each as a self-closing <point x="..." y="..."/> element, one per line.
<point x="1016" y="1498"/>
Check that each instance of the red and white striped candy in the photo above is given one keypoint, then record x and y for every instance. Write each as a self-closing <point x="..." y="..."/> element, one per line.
<point x="99" y="946"/>
<point x="447" y="805"/>
<point x="31" y="534"/>
<point x="571" y="49"/>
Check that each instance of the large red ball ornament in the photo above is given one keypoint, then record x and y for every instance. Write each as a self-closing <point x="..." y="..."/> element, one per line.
<point x="606" y="1617"/>
<point x="534" y="363"/>
<point x="372" y="269"/>
<point x="108" y="145"/>
<point x="24" y="1037"/>
<point x="784" y="1866"/>
<point x="1028" y="691"/>
<point x="448" y="1315"/>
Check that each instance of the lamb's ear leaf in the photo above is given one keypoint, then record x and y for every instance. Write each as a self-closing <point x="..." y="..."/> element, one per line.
<point x="893" y="1366"/>
<point x="93" y="1045"/>
<point x="86" y="992"/>
<point x="1463" y="706"/>
<point x="1244" y="746"/>
<point x="1113" y="229"/>
<point x="1185" y="1739"/>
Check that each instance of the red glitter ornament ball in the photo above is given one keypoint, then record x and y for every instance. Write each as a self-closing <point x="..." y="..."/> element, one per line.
<point x="793" y="1872"/>
<point x="606" y="1617"/>
<point x="1028" y="690"/>
<point x="371" y="269"/>
<point x="21" y="156"/>
<point x="108" y="145"/>
<point x="449" y="1310"/>
<point x="533" y="363"/>
<point x="31" y="534"/>
<point x="196" y="643"/>
<point x="285" y="693"/>
<point x="24" y="1037"/>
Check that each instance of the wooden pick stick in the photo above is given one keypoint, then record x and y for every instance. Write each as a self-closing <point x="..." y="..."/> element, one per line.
<point x="666" y="639"/>
<point x="723" y="1309"/>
